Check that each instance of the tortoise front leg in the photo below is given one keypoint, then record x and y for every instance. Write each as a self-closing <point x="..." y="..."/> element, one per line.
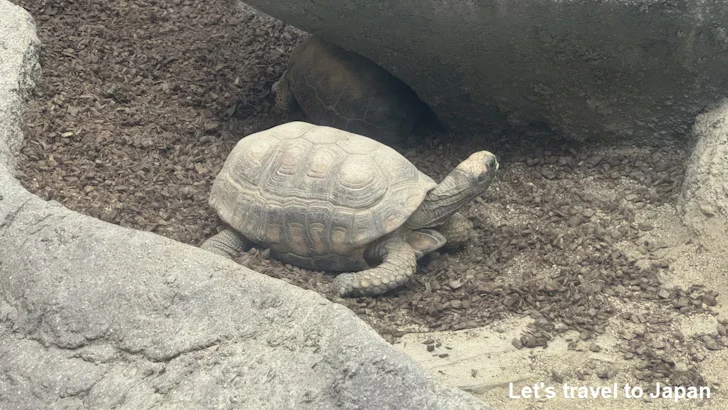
<point x="228" y="243"/>
<point x="398" y="264"/>
<point x="456" y="229"/>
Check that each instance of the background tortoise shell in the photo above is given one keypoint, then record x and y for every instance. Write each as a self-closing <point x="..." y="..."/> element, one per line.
<point x="341" y="89"/>
<point x="316" y="196"/>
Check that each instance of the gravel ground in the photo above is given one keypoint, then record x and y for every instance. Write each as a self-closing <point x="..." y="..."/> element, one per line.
<point x="141" y="101"/>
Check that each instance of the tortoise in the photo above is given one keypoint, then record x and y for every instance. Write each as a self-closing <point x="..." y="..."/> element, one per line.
<point x="325" y="199"/>
<point x="342" y="89"/>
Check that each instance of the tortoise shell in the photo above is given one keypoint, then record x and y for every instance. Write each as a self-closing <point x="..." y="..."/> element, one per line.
<point x="342" y="89"/>
<point x="316" y="196"/>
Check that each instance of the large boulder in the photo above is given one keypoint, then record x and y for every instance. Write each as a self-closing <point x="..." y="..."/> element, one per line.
<point x="591" y="68"/>
<point x="93" y="315"/>
<point x="704" y="196"/>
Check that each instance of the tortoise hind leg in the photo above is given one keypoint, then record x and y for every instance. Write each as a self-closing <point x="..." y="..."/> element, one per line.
<point x="399" y="262"/>
<point x="228" y="243"/>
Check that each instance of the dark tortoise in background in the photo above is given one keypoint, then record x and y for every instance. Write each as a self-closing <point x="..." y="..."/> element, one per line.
<point x="325" y="199"/>
<point x="341" y="89"/>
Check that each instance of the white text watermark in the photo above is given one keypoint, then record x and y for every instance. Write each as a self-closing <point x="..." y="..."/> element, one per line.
<point x="614" y="391"/>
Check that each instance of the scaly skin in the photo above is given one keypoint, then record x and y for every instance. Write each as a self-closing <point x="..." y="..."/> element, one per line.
<point x="228" y="243"/>
<point x="456" y="230"/>
<point x="466" y="182"/>
<point x="397" y="268"/>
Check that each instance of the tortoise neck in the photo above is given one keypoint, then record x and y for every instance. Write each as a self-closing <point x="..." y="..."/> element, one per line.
<point x="449" y="196"/>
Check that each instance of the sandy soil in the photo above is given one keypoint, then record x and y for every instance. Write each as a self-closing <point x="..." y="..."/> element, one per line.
<point x="581" y="270"/>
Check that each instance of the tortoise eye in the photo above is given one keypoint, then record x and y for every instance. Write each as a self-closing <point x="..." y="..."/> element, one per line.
<point x="493" y="162"/>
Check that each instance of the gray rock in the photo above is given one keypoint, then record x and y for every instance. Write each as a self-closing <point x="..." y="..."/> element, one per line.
<point x="704" y="196"/>
<point x="591" y="68"/>
<point x="93" y="315"/>
<point x="19" y="45"/>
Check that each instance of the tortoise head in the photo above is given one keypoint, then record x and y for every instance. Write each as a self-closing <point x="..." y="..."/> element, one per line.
<point x="479" y="170"/>
<point x="285" y="101"/>
<point x="467" y="181"/>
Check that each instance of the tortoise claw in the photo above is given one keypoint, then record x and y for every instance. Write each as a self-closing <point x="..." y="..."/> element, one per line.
<point x="345" y="283"/>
